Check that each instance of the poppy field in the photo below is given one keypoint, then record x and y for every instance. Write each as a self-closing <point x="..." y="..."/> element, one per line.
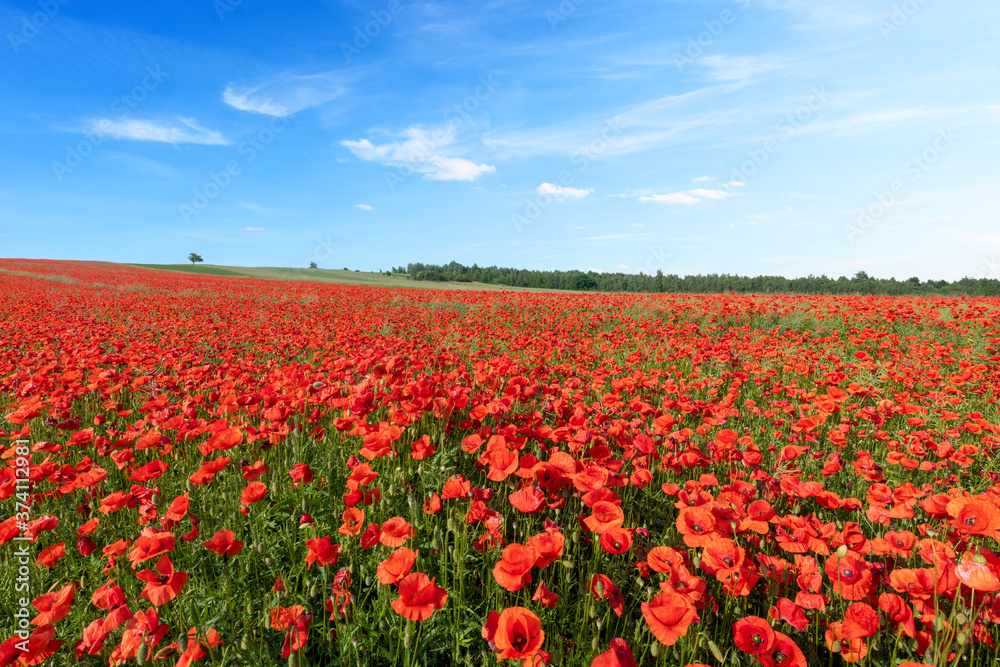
<point x="205" y="470"/>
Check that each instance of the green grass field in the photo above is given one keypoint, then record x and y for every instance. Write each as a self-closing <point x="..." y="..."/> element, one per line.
<point x="337" y="276"/>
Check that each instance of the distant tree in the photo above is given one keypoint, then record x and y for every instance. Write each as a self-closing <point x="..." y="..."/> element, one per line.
<point x="312" y="265"/>
<point x="194" y="257"/>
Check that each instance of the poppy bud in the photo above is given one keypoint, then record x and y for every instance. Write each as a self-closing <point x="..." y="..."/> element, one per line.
<point x="303" y="505"/>
<point x="313" y="590"/>
<point x="293" y="660"/>
<point x="163" y="653"/>
<point x="245" y="642"/>
<point x="182" y="642"/>
<point x="567" y="564"/>
<point x="716" y="651"/>
<point x="407" y="638"/>
<point x="836" y="646"/>
<point x="451" y="525"/>
<point x="269" y="561"/>
<point x="594" y="644"/>
<point x="654" y="649"/>
<point x="142" y="653"/>
<point x="600" y="623"/>
<point x="938" y="624"/>
<point x="962" y="639"/>
<point x="842" y="551"/>
<point x="961" y="618"/>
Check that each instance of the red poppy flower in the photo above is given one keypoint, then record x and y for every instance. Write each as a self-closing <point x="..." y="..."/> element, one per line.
<point x="224" y="543"/>
<point x="108" y="596"/>
<point x="544" y="596"/>
<point x="354" y="521"/>
<point x="419" y="597"/>
<point x="396" y="566"/>
<point x="422" y="448"/>
<point x="669" y="615"/>
<point x="395" y="531"/>
<point x="433" y="504"/>
<point x="208" y="470"/>
<point x="604" y="515"/>
<point x="619" y="655"/>
<point x="860" y="621"/>
<point x="178" y="510"/>
<point x="49" y="556"/>
<point x="370" y="536"/>
<point x="151" y="470"/>
<point x="144" y="628"/>
<point x="518" y="634"/>
<point x="322" y="552"/>
<point x="548" y="547"/>
<point x="53" y="606"/>
<point x="783" y="653"/>
<point x="300" y="474"/>
<point x="753" y="635"/>
<point x="697" y="525"/>
<point x="254" y="470"/>
<point x="253" y="492"/>
<point x="616" y="540"/>
<point x="164" y="584"/>
<point x="528" y="500"/>
<point x="513" y="570"/>
<point x="150" y="545"/>
<point x="850" y="575"/>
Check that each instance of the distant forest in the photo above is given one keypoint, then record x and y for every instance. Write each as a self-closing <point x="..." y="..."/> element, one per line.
<point x="592" y="281"/>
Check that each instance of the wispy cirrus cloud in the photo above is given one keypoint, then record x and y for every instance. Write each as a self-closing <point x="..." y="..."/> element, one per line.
<point x="187" y="132"/>
<point x="285" y="94"/>
<point x="423" y="150"/>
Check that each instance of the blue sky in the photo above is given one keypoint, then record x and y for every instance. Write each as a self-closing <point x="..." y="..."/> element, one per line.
<point x="781" y="137"/>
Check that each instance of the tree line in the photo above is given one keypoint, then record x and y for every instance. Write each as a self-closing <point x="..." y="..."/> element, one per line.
<point x="860" y="283"/>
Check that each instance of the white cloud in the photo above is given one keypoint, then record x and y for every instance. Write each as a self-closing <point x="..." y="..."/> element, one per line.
<point x="711" y="194"/>
<point x="284" y="95"/>
<point x="702" y="179"/>
<point x="561" y="193"/>
<point x="725" y="68"/>
<point x="253" y="229"/>
<point x="673" y="198"/>
<point x="735" y="184"/>
<point x="365" y="207"/>
<point x="422" y="151"/>
<point x="147" y="130"/>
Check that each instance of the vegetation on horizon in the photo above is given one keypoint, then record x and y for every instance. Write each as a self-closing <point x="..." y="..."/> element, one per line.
<point x="860" y="283"/>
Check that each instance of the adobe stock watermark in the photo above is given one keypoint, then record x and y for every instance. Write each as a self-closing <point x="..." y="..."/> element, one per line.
<point x="914" y="168"/>
<point x="900" y="16"/>
<point x="581" y="160"/>
<point x="22" y="557"/>
<point x="363" y="37"/>
<point x="421" y="151"/>
<point x="785" y="128"/>
<point x="121" y="108"/>
<point x="656" y="260"/>
<point x="223" y="7"/>
<point x="217" y="182"/>
<point x="322" y="252"/>
<point x="562" y="12"/>
<point x="714" y="29"/>
<point x="990" y="269"/>
<point x="33" y="24"/>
